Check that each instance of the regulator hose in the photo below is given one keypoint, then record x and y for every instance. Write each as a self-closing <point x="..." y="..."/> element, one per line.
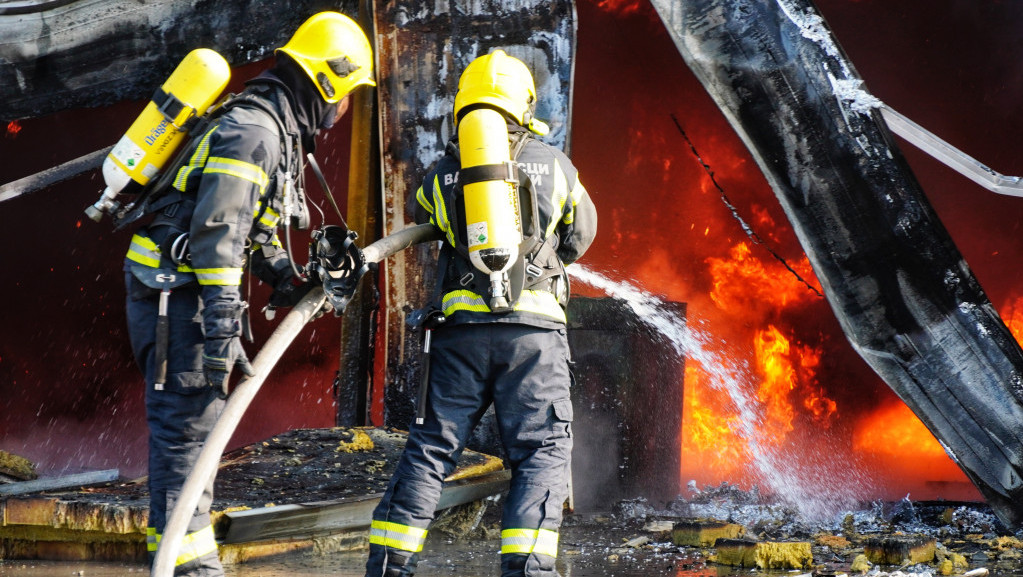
<point x="213" y="448"/>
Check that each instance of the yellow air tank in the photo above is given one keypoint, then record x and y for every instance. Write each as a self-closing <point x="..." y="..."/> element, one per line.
<point x="151" y="141"/>
<point x="493" y="222"/>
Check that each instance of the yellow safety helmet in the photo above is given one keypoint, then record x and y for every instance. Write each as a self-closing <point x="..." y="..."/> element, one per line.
<point x="502" y="81"/>
<point x="334" y="52"/>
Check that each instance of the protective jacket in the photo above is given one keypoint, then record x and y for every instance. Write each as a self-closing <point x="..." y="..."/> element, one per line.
<point x="567" y="225"/>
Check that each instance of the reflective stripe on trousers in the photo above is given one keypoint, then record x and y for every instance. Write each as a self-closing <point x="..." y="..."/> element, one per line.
<point x="397" y="536"/>
<point x="194" y="546"/>
<point x="528" y="541"/>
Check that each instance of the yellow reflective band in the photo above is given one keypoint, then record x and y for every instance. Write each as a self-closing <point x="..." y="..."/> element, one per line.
<point x="397" y="536"/>
<point x="423" y="201"/>
<point x="198" y="160"/>
<point x="197" y="544"/>
<point x="442" y="222"/>
<point x="541" y="303"/>
<point x="219" y="276"/>
<point x="526" y="541"/>
<point x="270" y="218"/>
<point x="558" y="198"/>
<point x="144" y="251"/>
<point x="577" y="195"/>
<point x="578" y="191"/>
<point x="239" y="169"/>
<point x="152" y="539"/>
<point x="530" y="301"/>
<point x="463" y="300"/>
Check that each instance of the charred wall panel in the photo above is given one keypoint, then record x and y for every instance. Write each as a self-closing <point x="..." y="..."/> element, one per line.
<point x="85" y="53"/>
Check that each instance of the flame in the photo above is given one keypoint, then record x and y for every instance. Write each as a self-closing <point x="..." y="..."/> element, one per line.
<point x="710" y="444"/>
<point x="620" y="7"/>
<point x="1012" y="316"/>
<point x="789" y="371"/>
<point x="785" y="369"/>
<point x="743" y="285"/>
<point x="894" y="431"/>
<point x="13" y="128"/>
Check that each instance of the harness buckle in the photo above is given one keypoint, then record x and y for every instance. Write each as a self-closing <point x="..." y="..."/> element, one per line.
<point x="533" y="270"/>
<point x="179" y="253"/>
<point x="466" y="279"/>
<point x="512" y="175"/>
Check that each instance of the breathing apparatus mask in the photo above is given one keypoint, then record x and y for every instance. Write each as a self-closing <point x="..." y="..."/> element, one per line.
<point x="338" y="263"/>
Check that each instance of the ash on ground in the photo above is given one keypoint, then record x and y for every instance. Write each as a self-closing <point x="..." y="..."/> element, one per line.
<point x="968" y="537"/>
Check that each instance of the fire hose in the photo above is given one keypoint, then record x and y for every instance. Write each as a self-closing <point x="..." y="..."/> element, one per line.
<point x="209" y="458"/>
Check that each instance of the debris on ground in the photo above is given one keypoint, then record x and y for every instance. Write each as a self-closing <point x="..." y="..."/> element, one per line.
<point x="727" y="525"/>
<point x="14" y="468"/>
<point x="321" y="473"/>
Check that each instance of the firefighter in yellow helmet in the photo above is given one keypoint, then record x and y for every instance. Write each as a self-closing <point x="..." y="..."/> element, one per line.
<point x="240" y="181"/>
<point x="498" y="326"/>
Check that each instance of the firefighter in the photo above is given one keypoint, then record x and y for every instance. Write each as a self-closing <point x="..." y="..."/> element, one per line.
<point x="494" y="340"/>
<point x="220" y="214"/>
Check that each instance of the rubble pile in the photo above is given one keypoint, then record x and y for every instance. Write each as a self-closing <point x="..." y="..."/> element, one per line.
<point x="726" y="525"/>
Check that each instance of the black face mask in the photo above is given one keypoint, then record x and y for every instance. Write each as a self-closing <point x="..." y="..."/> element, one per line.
<point x="329" y="117"/>
<point x="311" y="111"/>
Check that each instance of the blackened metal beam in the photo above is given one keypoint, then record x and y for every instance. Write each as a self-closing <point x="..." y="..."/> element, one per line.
<point x="904" y="295"/>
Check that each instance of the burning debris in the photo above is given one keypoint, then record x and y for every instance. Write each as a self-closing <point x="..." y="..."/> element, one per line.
<point x="730" y="526"/>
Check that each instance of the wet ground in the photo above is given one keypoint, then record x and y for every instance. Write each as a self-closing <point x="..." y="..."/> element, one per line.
<point x="587" y="551"/>
<point x="634" y="540"/>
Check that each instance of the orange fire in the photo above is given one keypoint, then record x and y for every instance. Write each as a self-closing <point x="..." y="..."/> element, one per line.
<point x="711" y="449"/>
<point x="787" y="390"/>
<point x="744" y="285"/>
<point x="895" y="431"/>
<point x="13" y="128"/>
<point x="788" y="371"/>
<point x="620" y="7"/>
<point x="1012" y="316"/>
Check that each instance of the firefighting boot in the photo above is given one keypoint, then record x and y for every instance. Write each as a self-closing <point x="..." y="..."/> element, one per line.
<point x="389" y="562"/>
<point x="519" y="565"/>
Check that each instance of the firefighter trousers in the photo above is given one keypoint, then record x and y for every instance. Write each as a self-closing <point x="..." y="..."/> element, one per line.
<point x="524" y="371"/>
<point x="180" y="416"/>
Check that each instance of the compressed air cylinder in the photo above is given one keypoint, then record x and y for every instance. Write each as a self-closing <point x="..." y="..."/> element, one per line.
<point x="492" y="215"/>
<point x="155" y="135"/>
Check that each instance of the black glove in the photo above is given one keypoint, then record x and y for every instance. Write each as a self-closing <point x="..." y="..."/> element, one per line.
<point x="288" y="293"/>
<point x="222" y="350"/>
<point x="219" y="356"/>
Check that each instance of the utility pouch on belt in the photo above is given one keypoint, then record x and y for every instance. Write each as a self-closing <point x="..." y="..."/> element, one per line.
<point x="427" y="318"/>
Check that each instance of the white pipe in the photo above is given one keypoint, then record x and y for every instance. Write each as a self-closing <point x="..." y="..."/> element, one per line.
<point x="951" y="156"/>
<point x="209" y="458"/>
